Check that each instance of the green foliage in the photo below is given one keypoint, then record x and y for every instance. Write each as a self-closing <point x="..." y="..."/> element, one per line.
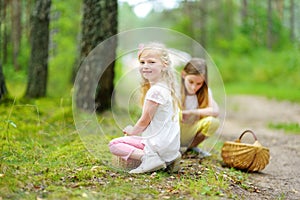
<point x="264" y="89"/>
<point x="118" y="70"/>
<point x="287" y="127"/>
<point x="24" y="53"/>
<point x="240" y="45"/>
<point x="64" y="44"/>
<point x="260" y="71"/>
<point x="65" y="28"/>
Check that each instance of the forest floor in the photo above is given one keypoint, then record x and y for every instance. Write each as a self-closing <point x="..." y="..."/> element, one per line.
<point x="281" y="177"/>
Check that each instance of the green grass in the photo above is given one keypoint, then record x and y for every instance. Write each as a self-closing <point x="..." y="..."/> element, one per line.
<point x="292" y="127"/>
<point x="42" y="156"/>
<point x="264" y="89"/>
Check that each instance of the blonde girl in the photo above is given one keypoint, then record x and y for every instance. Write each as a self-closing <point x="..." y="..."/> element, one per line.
<point x="199" y="109"/>
<point x="155" y="138"/>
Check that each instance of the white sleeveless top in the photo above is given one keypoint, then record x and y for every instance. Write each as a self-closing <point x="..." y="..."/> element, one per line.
<point x="163" y="133"/>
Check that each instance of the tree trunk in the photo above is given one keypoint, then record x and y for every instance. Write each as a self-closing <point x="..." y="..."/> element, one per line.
<point x="1" y="20"/>
<point x="203" y="22"/>
<point x="4" y="35"/>
<point x="16" y="31"/>
<point x="279" y="7"/>
<point x="94" y="80"/>
<point x="292" y="20"/>
<point x="244" y="12"/>
<point x="270" y="26"/>
<point x="38" y="65"/>
<point x="27" y="12"/>
<point x="228" y="22"/>
<point x="3" y="90"/>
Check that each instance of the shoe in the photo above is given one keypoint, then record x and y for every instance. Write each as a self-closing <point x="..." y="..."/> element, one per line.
<point x="150" y="162"/>
<point x="183" y="150"/>
<point x="174" y="166"/>
<point x="201" y="153"/>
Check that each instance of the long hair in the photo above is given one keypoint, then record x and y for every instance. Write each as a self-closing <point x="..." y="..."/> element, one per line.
<point x="168" y="75"/>
<point x="196" y="66"/>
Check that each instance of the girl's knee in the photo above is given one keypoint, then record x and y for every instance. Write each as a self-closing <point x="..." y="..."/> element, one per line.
<point x="209" y="125"/>
<point x="115" y="141"/>
<point x="115" y="148"/>
<point x="211" y="121"/>
<point x="113" y="144"/>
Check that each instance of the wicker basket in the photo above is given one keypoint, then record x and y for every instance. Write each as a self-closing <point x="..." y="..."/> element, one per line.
<point x="129" y="164"/>
<point x="249" y="157"/>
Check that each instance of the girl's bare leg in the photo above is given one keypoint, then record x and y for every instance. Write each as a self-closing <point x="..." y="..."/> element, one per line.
<point x="197" y="140"/>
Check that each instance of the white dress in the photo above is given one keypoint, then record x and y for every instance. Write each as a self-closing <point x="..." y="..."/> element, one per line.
<point x="163" y="133"/>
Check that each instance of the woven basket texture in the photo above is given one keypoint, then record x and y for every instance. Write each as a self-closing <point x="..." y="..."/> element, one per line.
<point x="250" y="157"/>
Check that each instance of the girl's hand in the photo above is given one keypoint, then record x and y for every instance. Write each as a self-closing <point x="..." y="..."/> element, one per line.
<point x="185" y="115"/>
<point x="128" y="130"/>
<point x="189" y="116"/>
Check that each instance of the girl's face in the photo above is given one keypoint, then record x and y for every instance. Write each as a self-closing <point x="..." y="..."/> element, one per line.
<point x="193" y="83"/>
<point x="151" y="65"/>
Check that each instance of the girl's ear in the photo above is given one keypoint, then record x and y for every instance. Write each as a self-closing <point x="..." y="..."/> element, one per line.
<point x="183" y="74"/>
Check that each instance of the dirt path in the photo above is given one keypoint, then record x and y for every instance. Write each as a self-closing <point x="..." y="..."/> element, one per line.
<point x="281" y="178"/>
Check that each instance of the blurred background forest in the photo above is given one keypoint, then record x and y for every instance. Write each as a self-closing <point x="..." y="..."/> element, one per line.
<point x="254" y="44"/>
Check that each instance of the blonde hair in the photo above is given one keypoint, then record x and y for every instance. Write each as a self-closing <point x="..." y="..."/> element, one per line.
<point x="168" y="75"/>
<point x="196" y="66"/>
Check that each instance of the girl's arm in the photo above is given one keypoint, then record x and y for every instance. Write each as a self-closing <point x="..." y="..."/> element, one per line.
<point x="211" y="110"/>
<point x="149" y="110"/>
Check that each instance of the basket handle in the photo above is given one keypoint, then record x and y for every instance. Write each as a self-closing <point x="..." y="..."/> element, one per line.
<point x="246" y="131"/>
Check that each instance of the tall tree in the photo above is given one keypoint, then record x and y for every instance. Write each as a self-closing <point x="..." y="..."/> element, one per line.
<point x="3" y="30"/>
<point x="98" y="24"/>
<point x="244" y="12"/>
<point x="279" y="5"/>
<point x="270" y="25"/>
<point x="3" y="90"/>
<point x="292" y="20"/>
<point x="16" y="31"/>
<point x="1" y="21"/>
<point x="203" y="22"/>
<point x="38" y="64"/>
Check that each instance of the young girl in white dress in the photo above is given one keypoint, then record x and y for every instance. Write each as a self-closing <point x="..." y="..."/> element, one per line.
<point x="155" y="138"/>
<point x="199" y="109"/>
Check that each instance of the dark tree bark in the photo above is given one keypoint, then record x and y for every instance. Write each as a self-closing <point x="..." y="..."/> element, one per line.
<point x="16" y="31"/>
<point x="1" y="21"/>
<point x="98" y="24"/>
<point x="4" y="34"/>
<point x="3" y="90"/>
<point x="38" y="65"/>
